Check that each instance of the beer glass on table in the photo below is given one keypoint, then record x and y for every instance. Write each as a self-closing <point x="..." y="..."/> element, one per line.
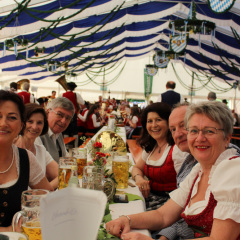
<point x="120" y="168"/>
<point x="81" y="155"/>
<point x="64" y="172"/>
<point x="28" y="220"/>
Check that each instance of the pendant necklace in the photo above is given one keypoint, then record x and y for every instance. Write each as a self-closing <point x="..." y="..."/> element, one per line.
<point x="8" y="167"/>
<point x="160" y="148"/>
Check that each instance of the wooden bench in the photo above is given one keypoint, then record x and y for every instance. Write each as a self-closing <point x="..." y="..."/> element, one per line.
<point x="134" y="149"/>
<point x="68" y="139"/>
<point x="88" y="134"/>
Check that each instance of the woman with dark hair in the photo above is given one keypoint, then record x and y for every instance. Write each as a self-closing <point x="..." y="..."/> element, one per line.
<point x="37" y="125"/>
<point x="19" y="168"/>
<point x="133" y="122"/>
<point x="92" y="124"/>
<point x="161" y="159"/>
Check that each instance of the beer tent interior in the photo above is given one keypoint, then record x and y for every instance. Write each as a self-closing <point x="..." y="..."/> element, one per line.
<point x="106" y="44"/>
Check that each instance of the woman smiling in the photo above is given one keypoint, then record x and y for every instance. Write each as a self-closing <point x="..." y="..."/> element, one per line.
<point x="208" y="198"/>
<point x="18" y="168"/>
<point x="161" y="159"/>
<point x="37" y="125"/>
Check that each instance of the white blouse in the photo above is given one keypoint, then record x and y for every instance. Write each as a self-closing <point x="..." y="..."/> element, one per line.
<point x="177" y="156"/>
<point x="43" y="156"/>
<point x="224" y="183"/>
<point x="36" y="173"/>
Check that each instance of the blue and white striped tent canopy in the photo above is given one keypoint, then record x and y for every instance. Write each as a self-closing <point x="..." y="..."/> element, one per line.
<point x="92" y="34"/>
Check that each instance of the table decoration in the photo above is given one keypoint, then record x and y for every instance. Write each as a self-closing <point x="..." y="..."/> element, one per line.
<point x="102" y="233"/>
<point x="99" y="160"/>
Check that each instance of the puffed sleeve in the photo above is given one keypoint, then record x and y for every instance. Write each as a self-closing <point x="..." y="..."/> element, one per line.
<point x="36" y="172"/>
<point x="225" y="186"/>
<point x="178" y="158"/>
<point x="180" y="195"/>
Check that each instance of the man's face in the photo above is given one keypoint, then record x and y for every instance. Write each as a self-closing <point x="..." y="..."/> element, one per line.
<point x="176" y="126"/>
<point x="59" y="119"/>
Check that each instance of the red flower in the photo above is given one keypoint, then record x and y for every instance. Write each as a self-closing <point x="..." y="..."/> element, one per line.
<point x="97" y="145"/>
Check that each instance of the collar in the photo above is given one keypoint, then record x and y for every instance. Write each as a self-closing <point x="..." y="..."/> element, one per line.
<point x="50" y="133"/>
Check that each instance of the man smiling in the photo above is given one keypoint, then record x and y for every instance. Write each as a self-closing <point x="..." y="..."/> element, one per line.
<point x="60" y="112"/>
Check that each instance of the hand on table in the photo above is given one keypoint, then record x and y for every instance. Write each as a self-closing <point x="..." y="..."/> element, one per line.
<point x="135" y="236"/>
<point x="143" y="185"/>
<point x="118" y="226"/>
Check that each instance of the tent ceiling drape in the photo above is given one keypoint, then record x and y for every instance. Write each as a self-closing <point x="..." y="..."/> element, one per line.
<point x="91" y="34"/>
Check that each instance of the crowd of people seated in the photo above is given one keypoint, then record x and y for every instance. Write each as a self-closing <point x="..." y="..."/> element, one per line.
<point x="188" y="173"/>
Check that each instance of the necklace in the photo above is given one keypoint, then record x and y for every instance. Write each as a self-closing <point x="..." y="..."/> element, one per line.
<point x="8" y="167"/>
<point x="160" y="148"/>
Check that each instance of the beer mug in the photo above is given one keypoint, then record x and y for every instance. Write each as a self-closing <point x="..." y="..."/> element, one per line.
<point x="120" y="168"/>
<point x="29" y="217"/>
<point x="81" y="155"/>
<point x="64" y="172"/>
<point x="93" y="178"/>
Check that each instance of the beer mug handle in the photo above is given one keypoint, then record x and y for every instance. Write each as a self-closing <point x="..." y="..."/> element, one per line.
<point x="109" y="196"/>
<point x="17" y="221"/>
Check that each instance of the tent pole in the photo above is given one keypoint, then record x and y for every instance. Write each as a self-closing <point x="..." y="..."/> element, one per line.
<point x="192" y="86"/>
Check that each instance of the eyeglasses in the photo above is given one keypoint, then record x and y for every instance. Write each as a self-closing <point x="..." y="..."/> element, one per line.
<point x="61" y="115"/>
<point x="208" y="132"/>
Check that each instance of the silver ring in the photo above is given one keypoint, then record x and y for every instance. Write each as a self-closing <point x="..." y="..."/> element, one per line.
<point x="142" y="187"/>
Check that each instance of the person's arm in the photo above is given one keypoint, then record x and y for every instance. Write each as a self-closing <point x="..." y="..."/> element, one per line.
<point x="133" y="122"/>
<point x="43" y="184"/>
<point x="95" y="123"/>
<point x="52" y="173"/>
<point x="37" y="179"/>
<point x="151" y="220"/>
<point x="138" y="177"/>
<point x="80" y="100"/>
<point x="6" y="229"/>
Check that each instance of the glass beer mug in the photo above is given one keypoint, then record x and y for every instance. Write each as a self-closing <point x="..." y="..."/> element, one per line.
<point x="64" y="170"/>
<point x="81" y="155"/>
<point x="93" y="178"/>
<point x="29" y="218"/>
<point x="120" y="168"/>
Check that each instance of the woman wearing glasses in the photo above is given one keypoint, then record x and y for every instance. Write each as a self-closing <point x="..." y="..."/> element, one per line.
<point x="37" y="125"/>
<point x="208" y="199"/>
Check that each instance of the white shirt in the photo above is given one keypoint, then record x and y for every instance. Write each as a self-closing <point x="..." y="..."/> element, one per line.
<point x="36" y="173"/>
<point x="224" y="183"/>
<point x="83" y="118"/>
<point x="178" y="157"/>
<point x="43" y="156"/>
<point x="95" y="123"/>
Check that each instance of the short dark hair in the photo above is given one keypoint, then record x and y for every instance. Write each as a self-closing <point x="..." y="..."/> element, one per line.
<point x="15" y="98"/>
<point x="71" y="86"/>
<point x="32" y="108"/>
<point x="171" y="84"/>
<point x="13" y="85"/>
<point x="164" y="111"/>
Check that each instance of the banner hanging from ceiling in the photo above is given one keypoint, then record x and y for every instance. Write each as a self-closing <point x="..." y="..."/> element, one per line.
<point x="147" y="83"/>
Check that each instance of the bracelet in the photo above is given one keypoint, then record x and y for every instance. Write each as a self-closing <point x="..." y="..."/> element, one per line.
<point x="129" y="219"/>
<point x="135" y="176"/>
